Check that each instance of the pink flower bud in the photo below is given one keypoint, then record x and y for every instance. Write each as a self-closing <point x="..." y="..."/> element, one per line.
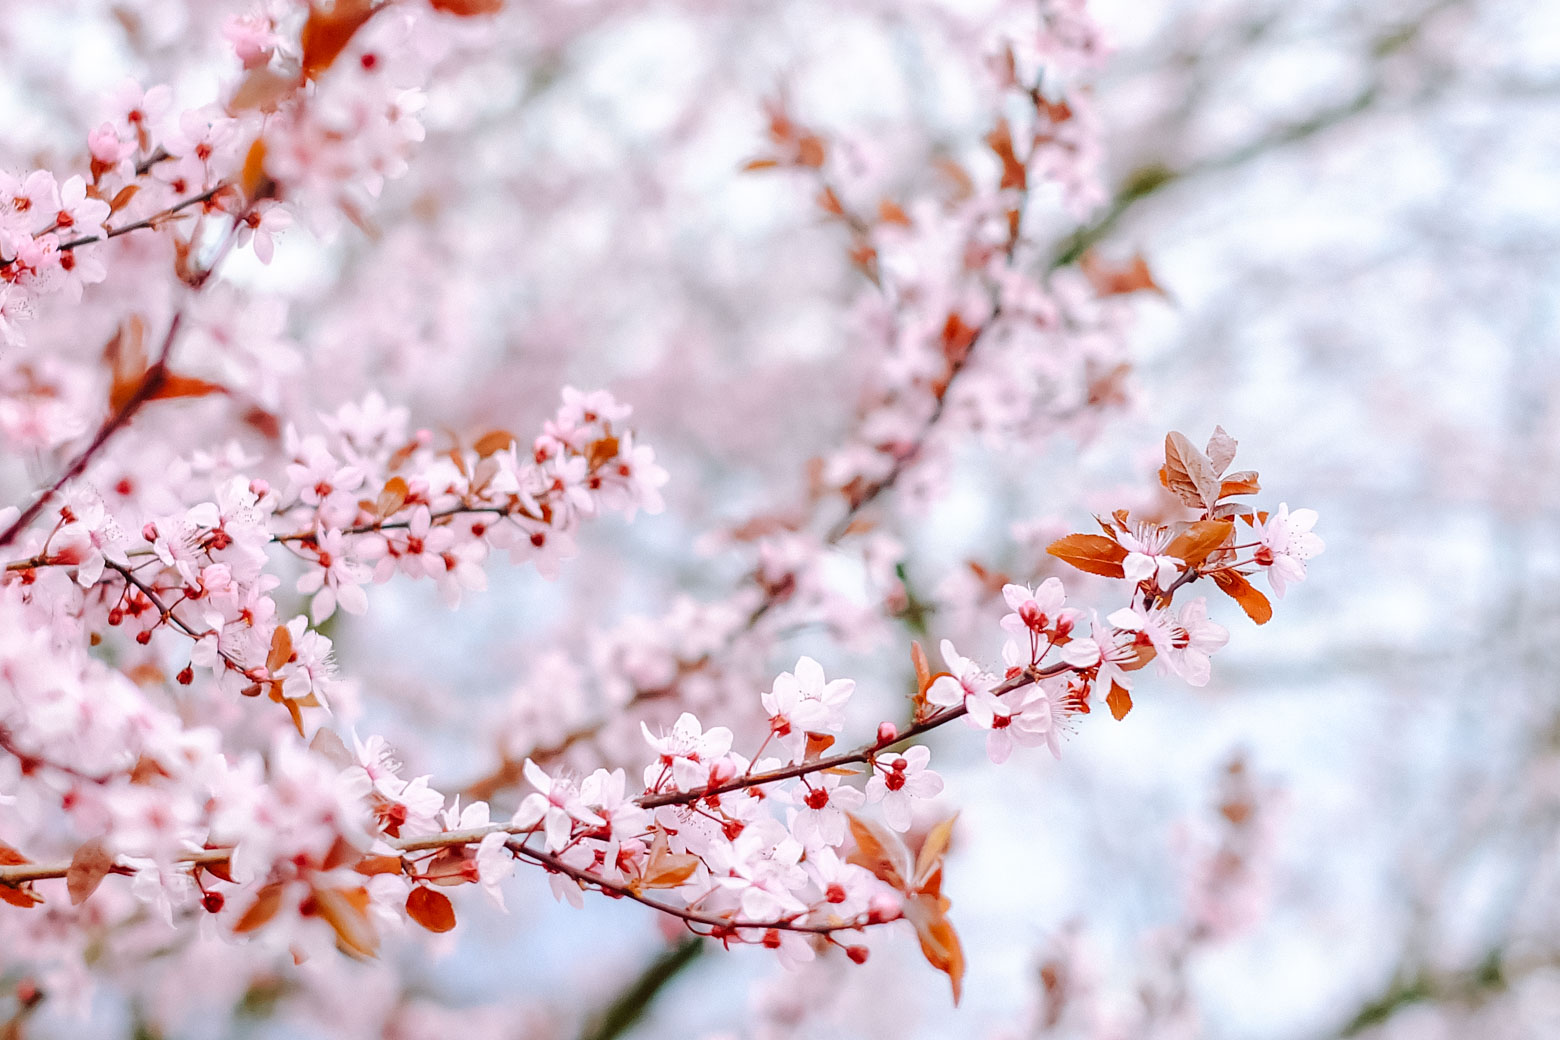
<point x="887" y="733"/>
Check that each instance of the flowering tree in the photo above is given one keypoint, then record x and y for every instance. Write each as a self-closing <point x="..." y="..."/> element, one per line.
<point x="223" y="460"/>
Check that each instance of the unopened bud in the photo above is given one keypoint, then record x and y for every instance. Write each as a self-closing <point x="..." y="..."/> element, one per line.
<point x="186" y="676"/>
<point x="887" y="733"/>
<point x="213" y="902"/>
<point x="149" y="532"/>
<point x="857" y="954"/>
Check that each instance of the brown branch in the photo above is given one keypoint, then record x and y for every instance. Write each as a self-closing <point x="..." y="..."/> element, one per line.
<point x="724" y="926"/>
<point x="865" y="753"/>
<point x="151" y="382"/>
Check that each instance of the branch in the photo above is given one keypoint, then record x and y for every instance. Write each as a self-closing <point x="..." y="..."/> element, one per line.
<point x="865" y="753"/>
<point x="626" y="1009"/>
<point x="151" y="382"/>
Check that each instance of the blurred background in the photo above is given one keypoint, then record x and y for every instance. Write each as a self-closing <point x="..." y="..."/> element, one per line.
<point x="1350" y="208"/>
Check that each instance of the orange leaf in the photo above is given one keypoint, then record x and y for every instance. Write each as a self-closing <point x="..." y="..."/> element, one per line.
<point x="267" y="902"/>
<point x="759" y="164"/>
<point x="923" y="668"/>
<point x="371" y="865"/>
<point x="891" y="213"/>
<point x="601" y="452"/>
<point x="1119" y="700"/>
<point x="326" y="33"/>
<point x="88" y="867"/>
<point x="1199" y="540"/>
<point x="1242" y="483"/>
<point x="1093" y="553"/>
<point x="880" y="851"/>
<point x="811" y="151"/>
<point x="263" y="90"/>
<point x="493" y="442"/>
<point x="1252" y="601"/>
<point x="933" y="849"/>
<point x="392" y="498"/>
<point x="817" y="744"/>
<point x="433" y="910"/>
<point x="467" y="8"/>
<point x="939" y="942"/>
<point x="346" y="911"/>
<point x="281" y="649"/>
<point x="122" y="197"/>
<point x="20" y="895"/>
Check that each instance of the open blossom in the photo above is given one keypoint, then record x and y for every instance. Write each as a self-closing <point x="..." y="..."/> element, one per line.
<point x="1285" y="542"/>
<point x="1146" y="558"/>
<point x="1182" y="642"/>
<point x="688" y="752"/>
<point x="819" y="817"/>
<point x="803" y="702"/>
<point x="898" y="779"/>
<point x="556" y="806"/>
<point x="965" y="679"/>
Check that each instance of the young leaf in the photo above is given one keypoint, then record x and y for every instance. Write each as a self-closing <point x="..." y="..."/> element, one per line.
<point x="433" y="910"/>
<point x="1093" y="553"/>
<point x="1199" y="540"/>
<point x="267" y="902"/>
<point x="89" y="866"/>
<point x="1119" y="700"/>
<point x="346" y="911"/>
<point x="1252" y="601"/>
<point x="1221" y="450"/>
<point x="1188" y="473"/>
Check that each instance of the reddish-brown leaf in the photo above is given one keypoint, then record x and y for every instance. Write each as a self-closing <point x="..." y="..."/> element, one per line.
<point x="1093" y="553"/>
<point x="21" y="895"/>
<point x="1119" y="701"/>
<point x="174" y="385"/>
<point x="1242" y="483"/>
<point x="267" y="902"/>
<point x="939" y="942"/>
<point x="1107" y="280"/>
<point x="122" y="197"/>
<point x="327" y="32"/>
<point x="665" y="868"/>
<point x="1188" y="473"/>
<point x="433" y="910"/>
<point x="261" y="90"/>
<point x="467" y="8"/>
<point x="1000" y="141"/>
<point x="89" y="866"/>
<point x="1199" y="540"/>
<point x="1252" y="601"/>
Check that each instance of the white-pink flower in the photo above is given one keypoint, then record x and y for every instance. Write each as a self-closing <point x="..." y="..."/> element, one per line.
<point x="1285" y="542"/>
<point x="898" y="779"/>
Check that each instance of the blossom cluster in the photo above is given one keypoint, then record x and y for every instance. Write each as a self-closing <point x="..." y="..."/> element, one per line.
<point x="171" y="707"/>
